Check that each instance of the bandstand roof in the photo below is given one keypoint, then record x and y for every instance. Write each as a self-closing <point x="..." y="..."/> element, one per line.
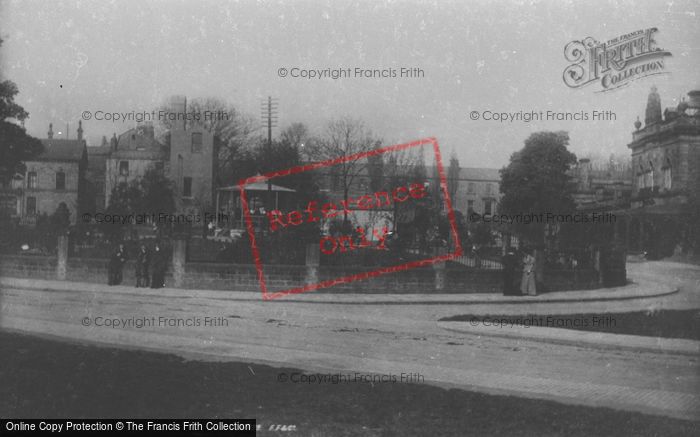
<point x="258" y="186"/>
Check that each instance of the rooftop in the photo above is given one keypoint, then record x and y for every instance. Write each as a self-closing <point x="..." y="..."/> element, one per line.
<point x="61" y="150"/>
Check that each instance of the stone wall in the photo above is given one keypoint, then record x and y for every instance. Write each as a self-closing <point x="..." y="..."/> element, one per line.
<point x="243" y="277"/>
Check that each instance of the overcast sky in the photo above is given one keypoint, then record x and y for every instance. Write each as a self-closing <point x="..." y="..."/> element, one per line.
<point x="119" y="56"/>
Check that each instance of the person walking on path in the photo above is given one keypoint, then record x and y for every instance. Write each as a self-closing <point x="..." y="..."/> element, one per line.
<point x="116" y="265"/>
<point x="143" y="258"/>
<point x="528" y="284"/>
<point x="159" y="266"/>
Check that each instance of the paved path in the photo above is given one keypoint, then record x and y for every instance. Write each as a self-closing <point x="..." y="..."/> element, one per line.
<point x="395" y="339"/>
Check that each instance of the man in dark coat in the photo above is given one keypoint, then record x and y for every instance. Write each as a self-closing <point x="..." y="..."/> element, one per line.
<point x="510" y="262"/>
<point x="116" y="265"/>
<point x="159" y="265"/>
<point x="143" y="259"/>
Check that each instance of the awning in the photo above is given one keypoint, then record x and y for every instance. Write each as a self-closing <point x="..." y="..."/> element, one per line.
<point x="258" y="186"/>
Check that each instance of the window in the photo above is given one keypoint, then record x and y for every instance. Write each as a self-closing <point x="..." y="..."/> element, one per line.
<point x="31" y="179"/>
<point x="667" y="175"/>
<point x="471" y="188"/>
<point x="187" y="187"/>
<point x="31" y="205"/>
<point x="60" y="180"/>
<point x="489" y="189"/>
<point x="470" y="206"/>
<point x="197" y="142"/>
<point x="487" y="207"/>
<point x="160" y="166"/>
<point x="123" y="168"/>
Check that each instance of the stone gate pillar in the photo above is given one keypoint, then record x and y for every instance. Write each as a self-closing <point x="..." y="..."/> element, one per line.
<point x="313" y="261"/>
<point x="179" y="260"/>
<point x="61" y="257"/>
<point x="440" y="270"/>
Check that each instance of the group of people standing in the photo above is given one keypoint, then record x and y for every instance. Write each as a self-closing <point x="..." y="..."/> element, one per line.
<point x="528" y="283"/>
<point x="150" y="266"/>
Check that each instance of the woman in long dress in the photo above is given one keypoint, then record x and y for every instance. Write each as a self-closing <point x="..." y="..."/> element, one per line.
<point x="527" y="285"/>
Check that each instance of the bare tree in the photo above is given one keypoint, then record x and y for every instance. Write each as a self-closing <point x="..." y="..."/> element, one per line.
<point x="343" y="138"/>
<point x="296" y="134"/>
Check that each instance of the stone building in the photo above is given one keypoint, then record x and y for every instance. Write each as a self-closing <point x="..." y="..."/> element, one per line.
<point x="185" y="155"/>
<point x="666" y="177"/>
<point x="54" y="177"/>
<point x="477" y="191"/>
<point x="131" y="155"/>
<point x="603" y="188"/>
<point x="191" y="162"/>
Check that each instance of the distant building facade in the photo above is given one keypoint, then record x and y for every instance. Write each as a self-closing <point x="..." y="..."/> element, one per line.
<point x="477" y="191"/>
<point x="604" y="188"/>
<point x="651" y="200"/>
<point x="131" y="155"/>
<point x="666" y="175"/>
<point x="56" y="176"/>
<point x="186" y="157"/>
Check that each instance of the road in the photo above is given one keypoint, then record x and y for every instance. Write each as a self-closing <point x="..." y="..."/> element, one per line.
<point x="385" y="339"/>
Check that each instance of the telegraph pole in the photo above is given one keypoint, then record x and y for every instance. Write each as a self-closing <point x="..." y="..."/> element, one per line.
<point x="269" y="116"/>
<point x="268" y="109"/>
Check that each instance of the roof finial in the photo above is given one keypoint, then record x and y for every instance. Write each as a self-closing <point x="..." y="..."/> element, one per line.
<point x="653" y="112"/>
<point x="80" y="130"/>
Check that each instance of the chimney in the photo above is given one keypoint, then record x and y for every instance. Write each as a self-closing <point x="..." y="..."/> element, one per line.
<point x="104" y="141"/>
<point x="80" y="130"/>
<point x="113" y="141"/>
<point x="50" y="133"/>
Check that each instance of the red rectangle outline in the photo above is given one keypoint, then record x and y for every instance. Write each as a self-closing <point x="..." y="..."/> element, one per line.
<point x="358" y="276"/>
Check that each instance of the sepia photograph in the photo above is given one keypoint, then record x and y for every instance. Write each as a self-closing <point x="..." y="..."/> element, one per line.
<point x="350" y="218"/>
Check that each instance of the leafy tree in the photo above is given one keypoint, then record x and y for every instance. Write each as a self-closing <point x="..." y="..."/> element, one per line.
<point x="15" y="145"/>
<point x="536" y="181"/>
<point x="156" y="193"/>
<point x="150" y="194"/>
<point x="125" y="199"/>
<point x="60" y="219"/>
